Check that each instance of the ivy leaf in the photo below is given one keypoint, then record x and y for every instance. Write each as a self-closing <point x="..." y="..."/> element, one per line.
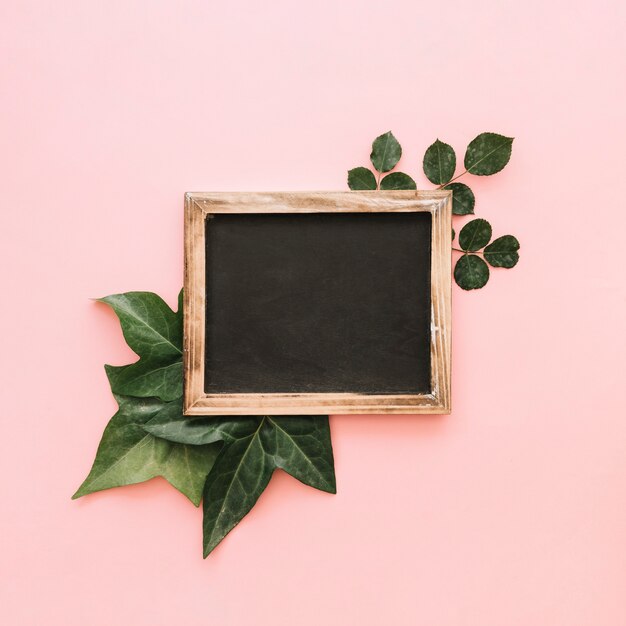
<point x="502" y="252"/>
<point x="253" y="448"/>
<point x="397" y="180"/>
<point x="475" y="235"/>
<point x="361" y="178"/>
<point x="488" y="154"/>
<point x="471" y="272"/>
<point x="127" y="454"/>
<point x="155" y="333"/>
<point x="386" y="152"/>
<point x="463" y="199"/>
<point x="439" y="162"/>
<point x="147" y="378"/>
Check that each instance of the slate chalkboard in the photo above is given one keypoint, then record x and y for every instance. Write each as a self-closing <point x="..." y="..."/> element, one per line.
<point x="316" y="303"/>
<point x="321" y="302"/>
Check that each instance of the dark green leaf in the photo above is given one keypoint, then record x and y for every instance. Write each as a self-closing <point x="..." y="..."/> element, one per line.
<point x="238" y="478"/>
<point x="475" y="235"/>
<point x="302" y="447"/>
<point x="453" y="234"/>
<point x="471" y="272"/>
<point x="386" y="152"/>
<point x="502" y="252"/>
<point x="488" y="153"/>
<point x="254" y="448"/>
<point x="463" y="200"/>
<point x="150" y="327"/>
<point x="397" y="180"/>
<point x="199" y="431"/>
<point x="127" y="454"/>
<point x="154" y="332"/>
<point x="439" y="162"/>
<point x="361" y="178"/>
<point x="147" y="378"/>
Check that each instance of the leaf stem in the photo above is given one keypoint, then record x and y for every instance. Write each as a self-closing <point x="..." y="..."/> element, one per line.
<point x="452" y="180"/>
<point x="467" y="251"/>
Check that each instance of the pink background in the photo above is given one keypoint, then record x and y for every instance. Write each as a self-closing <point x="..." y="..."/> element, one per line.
<point x="511" y="511"/>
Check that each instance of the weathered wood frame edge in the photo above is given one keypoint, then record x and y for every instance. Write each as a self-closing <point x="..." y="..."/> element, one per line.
<point x="198" y="205"/>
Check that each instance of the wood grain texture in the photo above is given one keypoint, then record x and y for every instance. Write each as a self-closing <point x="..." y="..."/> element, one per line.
<point x="199" y="205"/>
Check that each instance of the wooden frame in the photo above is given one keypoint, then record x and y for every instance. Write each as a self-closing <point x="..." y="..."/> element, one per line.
<point x="199" y="205"/>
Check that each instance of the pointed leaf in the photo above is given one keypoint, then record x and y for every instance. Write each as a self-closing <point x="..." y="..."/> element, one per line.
<point x="147" y="378"/>
<point x="439" y="162"/>
<point x="397" y="180"/>
<point x="173" y="426"/>
<point x="471" y="272"/>
<point x="150" y="327"/>
<point x="386" y="152"/>
<point x="502" y="252"/>
<point x="254" y="448"/>
<point x="154" y="332"/>
<point x="463" y="200"/>
<point x="488" y="153"/>
<point x="301" y="446"/>
<point x="361" y="178"/>
<point x="475" y="235"/>
<point x="238" y="478"/>
<point x="127" y="454"/>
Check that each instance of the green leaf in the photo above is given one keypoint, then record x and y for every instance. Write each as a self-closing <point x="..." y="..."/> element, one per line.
<point x="361" y="178"/>
<point x="471" y="272"/>
<point x="145" y="379"/>
<point x="488" y="153"/>
<point x="198" y="430"/>
<point x="155" y="333"/>
<point x="463" y="200"/>
<point x="254" y="448"/>
<point x="397" y="180"/>
<point x="502" y="252"/>
<point x="439" y="162"/>
<point x="127" y="454"/>
<point x="475" y="235"/>
<point x="453" y="234"/>
<point x="386" y="152"/>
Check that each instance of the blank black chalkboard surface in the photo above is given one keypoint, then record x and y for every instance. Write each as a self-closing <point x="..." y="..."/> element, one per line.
<point x="317" y="303"/>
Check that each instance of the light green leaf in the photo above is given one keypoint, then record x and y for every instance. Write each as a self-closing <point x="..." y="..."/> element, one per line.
<point x="254" y="448"/>
<point x="488" y="154"/>
<point x="439" y="162"/>
<point x="502" y="252"/>
<point x="127" y="454"/>
<point x="463" y="200"/>
<point x="397" y="180"/>
<point x="361" y="178"/>
<point x="471" y="272"/>
<point x="386" y="152"/>
<point x="475" y="235"/>
<point x="155" y="333"/>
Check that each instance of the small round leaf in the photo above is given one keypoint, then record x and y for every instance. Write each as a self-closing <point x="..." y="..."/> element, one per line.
<point x="439" y="162"/>
<point x="397" y="180"/>
<point x="471" y="272"/>
<point x="361" y="178"/>
<point x="502" y="252"/>
<point x="463" y="200"/>
<point x="386" y="152"/>
<point x="487" y="154"/>
<point x="475" y="235"/>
